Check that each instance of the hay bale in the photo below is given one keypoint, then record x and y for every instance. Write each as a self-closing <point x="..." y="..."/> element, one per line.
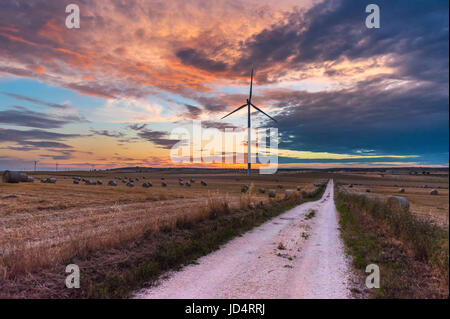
<point x="244" y="189"/>
<point x="130" y="184"/>
<point x="181" y="183"/>
<point x="368" y="190"/>
<point x="192" y="180"/>
<point x="137" y="179"/>
<point x="149" y="184"/>
<point x="76" y="181"/>
<point x="288" y="192"/>
<point x="262" y="190"/>
<point x="272" y="193"/>
<point x="350" y="186"/>
<point x="298" y="188"/>
<point x="14" y="177"/>
<point x="51" y="180"/>
<point x="145" y="185"/>
<point x="43" y="181"/>
<point x="163" y="184"/>
<point x="204" y="183"/>
<point x="434" y="191"/>
<point x="30" y="179"/>
<point x="398" y="202"/>
<point x="99" y="182"/>
<point x="112" y="183"/>
<point x="401" y="190"/>
<point x="124" y="181"/>
<point x="280" y="186"/>
<point x="188" y="184"/>
<point x="90" y="182"/>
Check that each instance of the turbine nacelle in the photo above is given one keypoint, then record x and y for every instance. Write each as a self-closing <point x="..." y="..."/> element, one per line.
<point x="250" y="104"/>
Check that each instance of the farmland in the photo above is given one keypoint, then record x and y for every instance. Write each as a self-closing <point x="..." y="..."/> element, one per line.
<point x="45" y="225"/>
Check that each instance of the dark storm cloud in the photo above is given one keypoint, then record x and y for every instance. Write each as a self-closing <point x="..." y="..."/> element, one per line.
<point x="34" y="139"/>
<point x="200" y="60"/>
<point x="412" y="120"/>
<point x="193" y="111"/>
<point x="23" y="117"/>
<point x="214" y="104"/>
<point x="158" y="138"/>
<point x="137" y="127"/>
<point x="11" y="135"/>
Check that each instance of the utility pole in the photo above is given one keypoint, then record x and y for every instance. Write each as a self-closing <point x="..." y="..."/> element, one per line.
<point x="35" y="164"/>
<point x="56" y="166"/>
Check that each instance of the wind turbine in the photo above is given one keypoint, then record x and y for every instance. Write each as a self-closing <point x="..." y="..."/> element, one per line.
<point x="248" y="104"/>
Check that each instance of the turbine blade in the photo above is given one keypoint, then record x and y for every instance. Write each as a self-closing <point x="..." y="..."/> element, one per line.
<point x="240" y="107"/>
<point x="264" y="113"/>
<point x="251" y="87"/>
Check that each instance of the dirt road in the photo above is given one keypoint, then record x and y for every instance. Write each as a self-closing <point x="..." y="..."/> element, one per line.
<point x="296" y="255"/>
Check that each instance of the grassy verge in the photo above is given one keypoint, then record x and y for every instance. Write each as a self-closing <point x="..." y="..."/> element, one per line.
<point x="412" y="254"/>
<point x="117" y="272"/>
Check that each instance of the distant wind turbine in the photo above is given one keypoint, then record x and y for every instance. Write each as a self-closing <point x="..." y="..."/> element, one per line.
<point x="248" y="104"/>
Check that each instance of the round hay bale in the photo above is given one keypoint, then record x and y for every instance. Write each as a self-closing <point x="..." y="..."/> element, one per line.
<point x="368" y="190"/>
<point x="112" y="183"/>
<point x="288" y="192"/>
<point x="192" y="180"/>
<point x="181" y="183"/>
<point x="76" y="181"/>
<point x="130" y="184"/>
<point x="145" y="185"/>
<point x="43" y="181"/>
<point x="14" y="177"/>
<point x="401" y="190"/>
<point x="350" y="186"/>
<point x="149" y="184"/>
<point x="398" y="202"/>
<point x="280" y="186"/>
<point x="204" y="183"/>
<point x="51" y="180"/>
<point x="99" y="182"/>
<point x="124" y="181"/>
<point x="244" y="189"/>
<point x="298" y="188"/>
<point x="163" y="184"/>
<point x="30" y="179"/>
<point x="272" y="193"/>
<point x="434" y="191"/>
<point x="188" y="184"/>
<point x="262" y="190"/>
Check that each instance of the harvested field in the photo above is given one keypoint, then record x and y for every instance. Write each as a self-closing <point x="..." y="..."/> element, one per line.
<point x="43" y="224"/>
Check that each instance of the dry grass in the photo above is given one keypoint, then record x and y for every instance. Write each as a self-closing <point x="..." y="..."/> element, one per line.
<point x="45" y="224"/>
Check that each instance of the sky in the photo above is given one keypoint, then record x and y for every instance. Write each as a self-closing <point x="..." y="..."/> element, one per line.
<point x="109" y="93"/>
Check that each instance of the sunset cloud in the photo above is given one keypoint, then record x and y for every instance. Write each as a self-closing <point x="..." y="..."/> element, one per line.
<point x="136" y="69"/>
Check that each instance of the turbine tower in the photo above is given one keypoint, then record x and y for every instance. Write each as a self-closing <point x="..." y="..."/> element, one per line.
<point x="248" y="104"/>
